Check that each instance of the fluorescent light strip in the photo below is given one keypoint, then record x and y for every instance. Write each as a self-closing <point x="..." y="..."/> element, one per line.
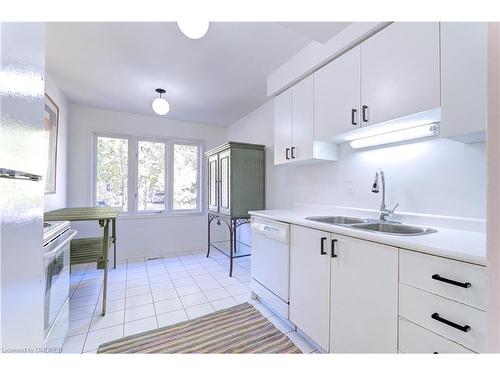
<point x="422" y="131"/>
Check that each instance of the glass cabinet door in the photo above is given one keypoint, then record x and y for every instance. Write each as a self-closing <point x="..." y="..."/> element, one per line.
<point x="213" y="182"/>
<point x="224" y="182"/>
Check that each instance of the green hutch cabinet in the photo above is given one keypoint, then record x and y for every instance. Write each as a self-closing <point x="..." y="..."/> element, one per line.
<point x="235" y="186"/>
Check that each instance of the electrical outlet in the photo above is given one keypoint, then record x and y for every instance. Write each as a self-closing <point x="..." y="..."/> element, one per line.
<point x="349" y="186"/>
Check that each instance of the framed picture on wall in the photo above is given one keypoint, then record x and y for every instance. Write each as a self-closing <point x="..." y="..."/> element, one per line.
<point x="51" y="124"/>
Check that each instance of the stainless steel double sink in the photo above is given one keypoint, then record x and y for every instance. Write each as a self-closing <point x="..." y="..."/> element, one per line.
<point x="372" y="225"/>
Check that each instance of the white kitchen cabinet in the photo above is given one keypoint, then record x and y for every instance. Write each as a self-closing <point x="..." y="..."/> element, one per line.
<point x="445" y="297"/>
<point x="302" y="120"/>
<point x="310" y="283"/>
<point x="416" y="339"/>
<point x="455" y="321"/>
<point x="346" y="301"/>
<point x="293" y="127"/>
<point x="282" y="127"/>
<point x="364" y="297"/>
<point x="463" y="81"/>
<point x="400" y="72"/>
<point x="337" y="95"/>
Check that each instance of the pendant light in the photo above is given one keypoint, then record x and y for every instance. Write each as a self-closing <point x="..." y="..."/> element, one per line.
<point x="193" y="29"/>
<point x="160" y="105"/>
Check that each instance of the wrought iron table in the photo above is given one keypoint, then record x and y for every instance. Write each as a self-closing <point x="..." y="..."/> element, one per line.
<point x="232" y="224"/>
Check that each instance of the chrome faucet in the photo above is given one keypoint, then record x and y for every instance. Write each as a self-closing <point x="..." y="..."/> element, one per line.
<point x="380" y="179"/>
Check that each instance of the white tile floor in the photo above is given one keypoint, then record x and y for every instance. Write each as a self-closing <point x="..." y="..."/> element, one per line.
<point x="146" y="294"/>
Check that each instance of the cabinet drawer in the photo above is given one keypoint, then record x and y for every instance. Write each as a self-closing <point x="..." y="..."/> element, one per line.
<point x="415" y="339"/>
<point x="419" y="307"/>
<point x="417" y="270"/>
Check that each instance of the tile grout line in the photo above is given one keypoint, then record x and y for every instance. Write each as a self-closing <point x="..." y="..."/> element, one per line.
<point x="92" y="317"/>
<point x="175" y="288"/>
<point x="151" y="291"/>
<point x="210" y="302"/>
<point x="222" y="286"/>
<point x="125" y="300"/>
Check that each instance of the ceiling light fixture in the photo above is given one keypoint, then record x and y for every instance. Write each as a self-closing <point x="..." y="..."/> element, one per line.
<point x="194" y="29"/>
<point x="408" y="134"/>
<point x="160" y="105"/>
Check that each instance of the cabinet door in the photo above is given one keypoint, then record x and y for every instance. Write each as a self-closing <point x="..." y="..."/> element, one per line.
<point x="225" y="182"/>
<point x="337" y="94"/>
<point x="302" y="120"/>
<point x="364" y="297"/>
<point x="463" y="80"/>
<point x="282" y="127"/>
<point x="400" y="71"/>
<point x="310" y="283"/>
<point x="213" y="183"/>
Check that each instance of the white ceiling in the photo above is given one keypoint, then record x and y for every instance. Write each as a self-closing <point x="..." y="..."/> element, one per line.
<point x="214" y="80"/>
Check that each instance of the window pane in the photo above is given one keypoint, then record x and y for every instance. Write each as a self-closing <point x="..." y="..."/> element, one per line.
<point x="151" y="176"/>
<point x="185" y="177"/>
<point x="112" y="172"/>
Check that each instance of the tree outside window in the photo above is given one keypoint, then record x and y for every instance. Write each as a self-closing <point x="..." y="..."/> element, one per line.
<point x="112" y="172"/>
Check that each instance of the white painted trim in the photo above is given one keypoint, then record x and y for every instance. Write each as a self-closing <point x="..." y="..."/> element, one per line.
<point x="316" y="55"/>
<point x="493" y="188"/>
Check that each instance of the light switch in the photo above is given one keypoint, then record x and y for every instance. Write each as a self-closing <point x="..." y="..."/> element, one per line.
<point x="349" y="186"/>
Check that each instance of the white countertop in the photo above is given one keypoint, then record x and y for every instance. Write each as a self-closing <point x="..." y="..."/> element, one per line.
<point x="461" y="245"/>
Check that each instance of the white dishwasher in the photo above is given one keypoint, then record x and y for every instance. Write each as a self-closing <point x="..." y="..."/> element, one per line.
<point x="271" y="263"/>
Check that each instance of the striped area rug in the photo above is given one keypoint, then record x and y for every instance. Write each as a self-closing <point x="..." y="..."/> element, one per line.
<point x="239" y="329"/>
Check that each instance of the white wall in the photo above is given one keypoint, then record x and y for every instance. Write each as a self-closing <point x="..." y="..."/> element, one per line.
<point x="59" y="199"/>
<point x="440" y="177"/>
<point x="142" y="236"/>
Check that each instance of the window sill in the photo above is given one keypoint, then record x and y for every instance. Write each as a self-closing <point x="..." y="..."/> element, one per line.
<point x="159" y="215"/>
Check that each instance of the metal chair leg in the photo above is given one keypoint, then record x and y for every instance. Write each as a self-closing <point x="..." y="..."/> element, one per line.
<point x="105" y="246"/>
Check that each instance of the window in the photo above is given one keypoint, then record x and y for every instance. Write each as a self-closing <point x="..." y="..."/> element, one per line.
<point x="185" y="177"/>
<point x="151" y="176"/>
<point x="163" y="176"/>
<point x="112" y="172"/>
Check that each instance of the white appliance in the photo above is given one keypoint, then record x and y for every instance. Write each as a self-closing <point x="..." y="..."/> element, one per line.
<point x="57" y="236"/>
<point x="271" y="263"/>
<point x="23" y="159"/>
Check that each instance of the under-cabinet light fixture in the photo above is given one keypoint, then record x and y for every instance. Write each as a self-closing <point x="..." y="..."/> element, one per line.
<point x="408" y="134"/>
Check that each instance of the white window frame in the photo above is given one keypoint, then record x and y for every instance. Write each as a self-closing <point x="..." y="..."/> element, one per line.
<point x="133" y="173"/>
<point x="136" y="177"/>
<point x="93" y="198"/>
<point x="199" y="191"/>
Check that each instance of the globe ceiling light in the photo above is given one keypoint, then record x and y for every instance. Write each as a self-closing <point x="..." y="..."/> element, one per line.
<point x="192" y="28"/>
<point x="160" y="105"/>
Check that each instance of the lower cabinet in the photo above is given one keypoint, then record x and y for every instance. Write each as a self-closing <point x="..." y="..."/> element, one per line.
<point x="442" y="305"/>
<point x="355" y="296"/>
<point x="310" y="283"/>
<point x="364" y="297"/>
<point x="344" y="291"/>
<point x="416" y="339"/>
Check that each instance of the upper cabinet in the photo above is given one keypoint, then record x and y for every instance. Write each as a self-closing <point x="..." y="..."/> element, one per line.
<point x="282" y="127"/>
<point x="293" y="127"/>
<point x="400" y="72"/>
<point x="463" y="81"/>
<point x="337" y="95"/>
<point x="408" y="73"/>
<point x="393" y="74"/>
